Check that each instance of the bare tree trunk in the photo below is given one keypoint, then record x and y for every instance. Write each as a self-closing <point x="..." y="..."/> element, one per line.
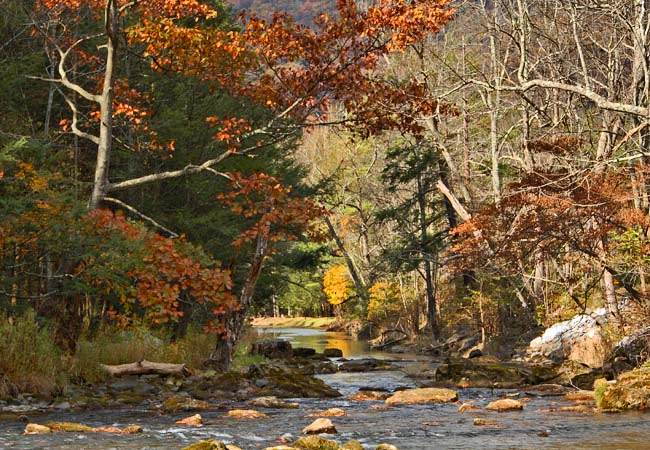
<point x="101" y="184"/>
<point x="233" y="320"/>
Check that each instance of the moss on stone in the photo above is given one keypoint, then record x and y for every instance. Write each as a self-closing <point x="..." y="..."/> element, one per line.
<point x="316" y="443"/>
<point x="352" y="445"/>
<point x="70" y="427"/>
<point x="206" y="445"/>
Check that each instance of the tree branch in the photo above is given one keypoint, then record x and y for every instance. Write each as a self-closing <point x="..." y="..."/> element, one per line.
<point x="142" y="216"/>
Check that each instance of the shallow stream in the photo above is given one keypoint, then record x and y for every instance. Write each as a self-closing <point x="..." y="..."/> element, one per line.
<point x="432" y="426"/>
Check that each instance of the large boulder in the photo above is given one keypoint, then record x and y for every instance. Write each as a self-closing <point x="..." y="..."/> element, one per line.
<point x="285" y="383"/>
<point x="632" y="350"/>
<point x="580" y="339"/>
<point x="272" y="348"/>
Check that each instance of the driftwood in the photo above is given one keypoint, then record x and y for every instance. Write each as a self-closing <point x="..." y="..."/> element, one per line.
<point x="146" y="367"/>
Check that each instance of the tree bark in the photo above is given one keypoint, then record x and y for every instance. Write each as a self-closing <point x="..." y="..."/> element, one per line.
<point x="105" y="100"/>
<point x="233" y="320"/>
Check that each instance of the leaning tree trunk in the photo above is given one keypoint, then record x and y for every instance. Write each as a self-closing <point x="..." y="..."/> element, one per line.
<point x="234" y="319"/>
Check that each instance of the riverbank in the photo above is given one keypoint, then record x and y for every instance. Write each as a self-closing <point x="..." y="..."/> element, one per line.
<point x="294" y="322"/>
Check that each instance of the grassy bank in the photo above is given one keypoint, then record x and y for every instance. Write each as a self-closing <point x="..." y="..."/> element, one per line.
<point x="293" y="322"/>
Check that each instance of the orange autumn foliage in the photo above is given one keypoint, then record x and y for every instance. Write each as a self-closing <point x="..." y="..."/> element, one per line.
<point x="337" y="285"/>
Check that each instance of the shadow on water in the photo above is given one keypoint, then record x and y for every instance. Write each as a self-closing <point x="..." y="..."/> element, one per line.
<point x="415" y="427"/>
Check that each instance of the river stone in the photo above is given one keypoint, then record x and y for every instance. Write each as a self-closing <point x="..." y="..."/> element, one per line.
<point x="479" y="422"/>
<point x="369" y="395"/>
<point x="352" y="445"/>
<point x="181" y="403"/>
<point x="333" y="353"/>
<point x="210" y="444"/>
<point x="386" y="447"/>
<point x="579" y="396"/>
<point x="245" y="414"/>
<point x="291" y="384"/>
<point x="68" y="427"/>
<point x="316" y="443"/>
<point x="272" y="348"/>
<point x="467" y="406"/>
<point x="132" y="429"/>
<point x="365" y="365"/>
<point x="546" y="390"/>
<point x="505" y="404"/>
<point x="272" y="402"/>
<point x="34" y="428"/>
<point x="423" y="395"/>
<point x="303" y="352"/>
<point x="196" y="421"/>
<point x="332" y="412"/>
<point x="132" y="386"/>
<point x="320" y="426"/>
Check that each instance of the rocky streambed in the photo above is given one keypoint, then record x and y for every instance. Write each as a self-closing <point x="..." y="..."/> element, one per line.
<point x="271" y="406"/>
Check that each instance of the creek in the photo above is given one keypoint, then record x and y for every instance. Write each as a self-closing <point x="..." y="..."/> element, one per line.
<point x="430" y="426"/>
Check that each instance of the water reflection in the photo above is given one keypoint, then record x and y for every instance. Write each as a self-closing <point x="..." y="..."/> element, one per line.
<point x="319" y="340"/>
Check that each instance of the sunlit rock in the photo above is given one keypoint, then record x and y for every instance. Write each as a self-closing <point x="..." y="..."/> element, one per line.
<point x="196" y="421"/>
<point x="467" y="406"/>
<point x="332" y="412"/>
<point x="245" y="414"/>
<point x="423" y="395"/>
<point x="580" y="339"/>
<point x="479" y="422"/>
<point x="34" y="428"/>
<point x="320" y="426"/>
<point x="505" y="404"/>
<point x="386" y="447"/>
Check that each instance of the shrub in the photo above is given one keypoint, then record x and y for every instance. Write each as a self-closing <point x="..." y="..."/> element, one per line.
<point x="30" y="361"/>
<point x="114" y="347"/>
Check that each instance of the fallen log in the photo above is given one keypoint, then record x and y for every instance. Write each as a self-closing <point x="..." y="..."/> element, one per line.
<point x="146" y="367"/>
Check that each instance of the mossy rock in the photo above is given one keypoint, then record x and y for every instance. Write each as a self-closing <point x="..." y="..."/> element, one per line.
<point x="131" y="398"/>
<point x="10" y="417"/>
<point x="316" y="443"/>
<point x="482" y="374"/>
<point x="90" y="402"/>
<point x="70" y="427"/>
<point x="631" y="390"/>
<point x="386" y="447"/>
<point x="180" y="403"/>
<point x="352" y="445"/>
<point x="206" y="445"/>
<point x="286" y="383"/>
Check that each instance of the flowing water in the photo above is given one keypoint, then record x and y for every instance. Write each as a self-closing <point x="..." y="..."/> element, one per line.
<point x="432" y="426"/>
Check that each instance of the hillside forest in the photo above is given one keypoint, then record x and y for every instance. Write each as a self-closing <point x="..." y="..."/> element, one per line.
<point x="178" y="166"/>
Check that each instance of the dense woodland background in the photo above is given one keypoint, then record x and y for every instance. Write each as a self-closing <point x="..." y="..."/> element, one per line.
<point x="389" y="164"/>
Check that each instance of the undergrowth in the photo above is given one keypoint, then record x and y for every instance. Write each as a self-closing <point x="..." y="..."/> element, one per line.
<point x="29" y="359"/>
